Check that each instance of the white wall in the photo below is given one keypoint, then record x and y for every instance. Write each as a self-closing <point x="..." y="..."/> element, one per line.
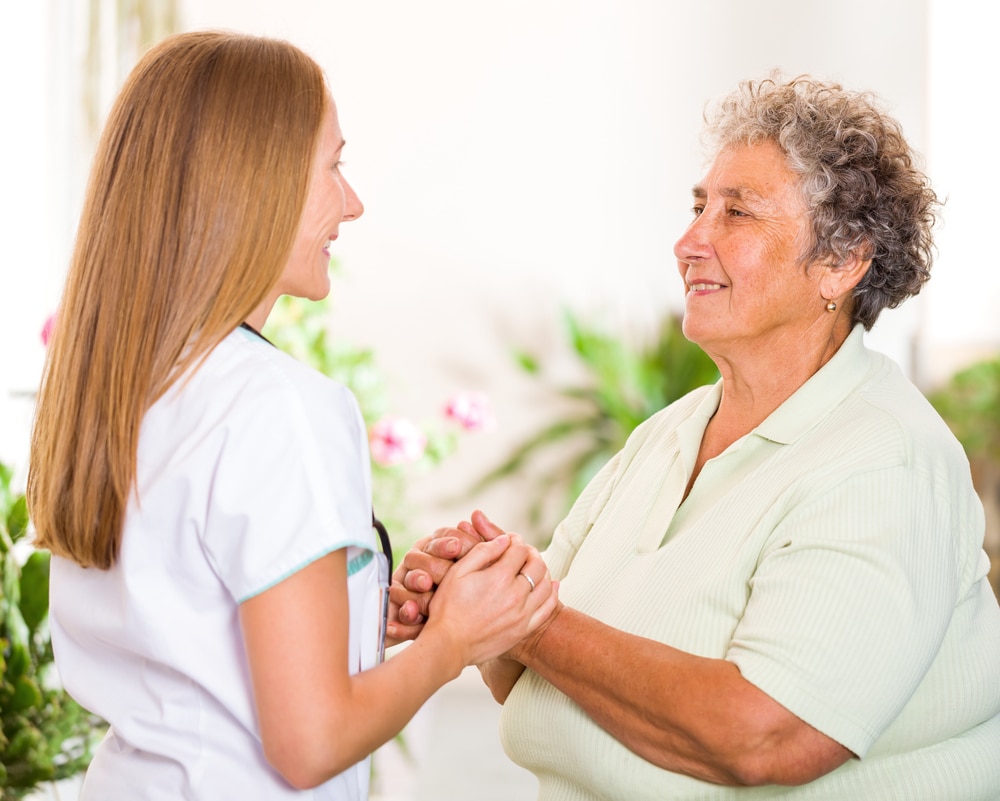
<point x="520" y="156"/>
<point x="24" y="269"/>
<point x="41" y="49"/>
<point x="961" y="320"/>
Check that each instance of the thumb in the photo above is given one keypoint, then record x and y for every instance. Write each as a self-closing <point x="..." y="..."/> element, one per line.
<point x="485" y="527"/>
<point x="482" y="555"/>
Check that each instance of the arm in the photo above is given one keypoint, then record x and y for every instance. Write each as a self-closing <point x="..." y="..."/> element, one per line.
<point x="682" y="712"/>
<point x="316" y="719"/>
<point x="685" y="713"/>
<point x="500" y="675"/>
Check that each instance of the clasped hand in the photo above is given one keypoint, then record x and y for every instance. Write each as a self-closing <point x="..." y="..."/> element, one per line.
<point x="508" y="598"/>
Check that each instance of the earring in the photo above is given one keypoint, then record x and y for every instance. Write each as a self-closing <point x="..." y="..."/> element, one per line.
<point x="831" y="306"/>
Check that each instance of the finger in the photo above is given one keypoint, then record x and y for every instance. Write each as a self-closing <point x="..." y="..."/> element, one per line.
<point x="450" y="547"/>
<point x="541" y="602"/>
<point x="403" y="599"/>
<point x="411" y="613"/>
<point x="517" y="555"/>
<point x="422" y="564"/>
<point x="534" y="565"/>
<point x="483" y="555"/>
<point x="396" y="632"/>
<point x="466" y="534"/>
<point x="485" y="527"/>
<point x="418" y="581"/>
<point x="404" y="567"/>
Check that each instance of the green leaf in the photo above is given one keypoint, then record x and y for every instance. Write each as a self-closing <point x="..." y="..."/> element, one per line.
<point x="17" y="518"/>
<point x="527" y="362"/>
<point x="26" y="695"/>
<point x="35" y="589"/>
<point x="27" y="739"/>
<point x="18" y="661"/>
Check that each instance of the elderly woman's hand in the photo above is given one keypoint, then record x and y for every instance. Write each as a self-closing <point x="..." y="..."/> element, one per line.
<point x="424" y="567"/>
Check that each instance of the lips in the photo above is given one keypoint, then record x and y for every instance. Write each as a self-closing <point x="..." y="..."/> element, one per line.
<point x="699" y="285"/>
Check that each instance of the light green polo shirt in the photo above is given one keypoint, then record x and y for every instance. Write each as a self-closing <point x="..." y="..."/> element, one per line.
<point x="834" y="555"/>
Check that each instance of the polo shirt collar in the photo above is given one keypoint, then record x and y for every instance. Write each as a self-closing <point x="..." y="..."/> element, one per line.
<point x="823" y="392"/>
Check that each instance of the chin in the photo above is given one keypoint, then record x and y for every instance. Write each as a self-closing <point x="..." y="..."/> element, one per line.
<point x="318" y="295"/>
<point x="690" y="329"/>
<point x="319" y="290"/>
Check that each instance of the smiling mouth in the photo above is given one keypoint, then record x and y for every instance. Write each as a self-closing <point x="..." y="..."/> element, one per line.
<point x="703" y="287"/>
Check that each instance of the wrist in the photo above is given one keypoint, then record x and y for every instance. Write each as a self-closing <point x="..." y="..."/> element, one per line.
<point x="447" y="648"/>
<point x="531" y="648"/>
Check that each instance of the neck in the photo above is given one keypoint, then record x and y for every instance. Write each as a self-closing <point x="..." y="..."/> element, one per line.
<point x="757" y="380"/>
<point x="257" y="319"/>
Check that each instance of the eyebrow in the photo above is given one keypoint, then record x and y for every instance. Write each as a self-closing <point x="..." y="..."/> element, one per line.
<point x="736" y="192"/>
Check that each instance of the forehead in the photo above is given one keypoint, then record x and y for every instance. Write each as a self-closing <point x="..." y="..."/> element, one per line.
<point x="330" y="135"/>
<point x="757" y="174"/>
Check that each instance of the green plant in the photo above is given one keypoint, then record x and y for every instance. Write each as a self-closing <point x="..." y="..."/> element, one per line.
<point x="625" y="385"/>
<point x="44" y="734"/>
<point x="970" y="403"/>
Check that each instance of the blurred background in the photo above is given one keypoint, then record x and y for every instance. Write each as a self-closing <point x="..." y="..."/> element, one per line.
<point x="526" y="167"/>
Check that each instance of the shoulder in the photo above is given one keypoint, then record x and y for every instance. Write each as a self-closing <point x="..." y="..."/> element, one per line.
<point x="251" y="363"/>
<point x="699" y="402"/>
<point x="256" y="382"/>
<point x="889" y="414"/>
<point x="248" y="402"/>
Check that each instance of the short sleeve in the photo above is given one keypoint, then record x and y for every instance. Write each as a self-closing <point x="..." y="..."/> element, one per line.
<point x="291" y="483"/>
<point x="850" y="603"/>
<point x="571" y="532"/>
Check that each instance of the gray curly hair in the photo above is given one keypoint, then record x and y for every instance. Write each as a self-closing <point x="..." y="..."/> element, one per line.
<point x="858" y="176"/>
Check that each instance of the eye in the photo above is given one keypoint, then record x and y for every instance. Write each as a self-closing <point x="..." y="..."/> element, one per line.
<point x="737" y="213"/>
<point x="336" y="167"/>
<point x="697" y="210"/>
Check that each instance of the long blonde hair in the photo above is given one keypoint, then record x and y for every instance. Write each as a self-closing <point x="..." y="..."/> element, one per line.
<point x="194" y="199"/>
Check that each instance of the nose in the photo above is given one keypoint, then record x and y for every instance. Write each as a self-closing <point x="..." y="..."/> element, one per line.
<point x="694" y="243"/>
<point x="353" y="207"/>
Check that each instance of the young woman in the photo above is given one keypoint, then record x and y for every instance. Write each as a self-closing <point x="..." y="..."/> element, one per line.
<point x="217" y="584"/>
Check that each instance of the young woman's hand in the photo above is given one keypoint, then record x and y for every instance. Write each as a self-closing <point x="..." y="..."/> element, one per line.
<point x="491" y="599"/>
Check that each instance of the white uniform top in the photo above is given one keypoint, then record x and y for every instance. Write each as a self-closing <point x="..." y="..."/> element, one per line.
<point x="251" y="469"/>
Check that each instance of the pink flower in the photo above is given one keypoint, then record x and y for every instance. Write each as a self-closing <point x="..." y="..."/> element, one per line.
<point x="395" y="440"/>
<point x="471" y="410"/>
<point x="50" y="324"/>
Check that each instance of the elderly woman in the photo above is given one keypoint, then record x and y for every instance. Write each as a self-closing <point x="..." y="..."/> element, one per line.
<point x="780" y="579"/>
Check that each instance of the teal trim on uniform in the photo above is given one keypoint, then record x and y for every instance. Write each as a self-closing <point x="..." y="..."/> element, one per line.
<point x="359" y="562"/>
<point x="352" y="567"/>
<point x="249" y="336"/>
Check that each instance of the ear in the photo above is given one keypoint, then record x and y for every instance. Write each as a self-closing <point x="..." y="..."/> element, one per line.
<point x="838" y="280"/>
